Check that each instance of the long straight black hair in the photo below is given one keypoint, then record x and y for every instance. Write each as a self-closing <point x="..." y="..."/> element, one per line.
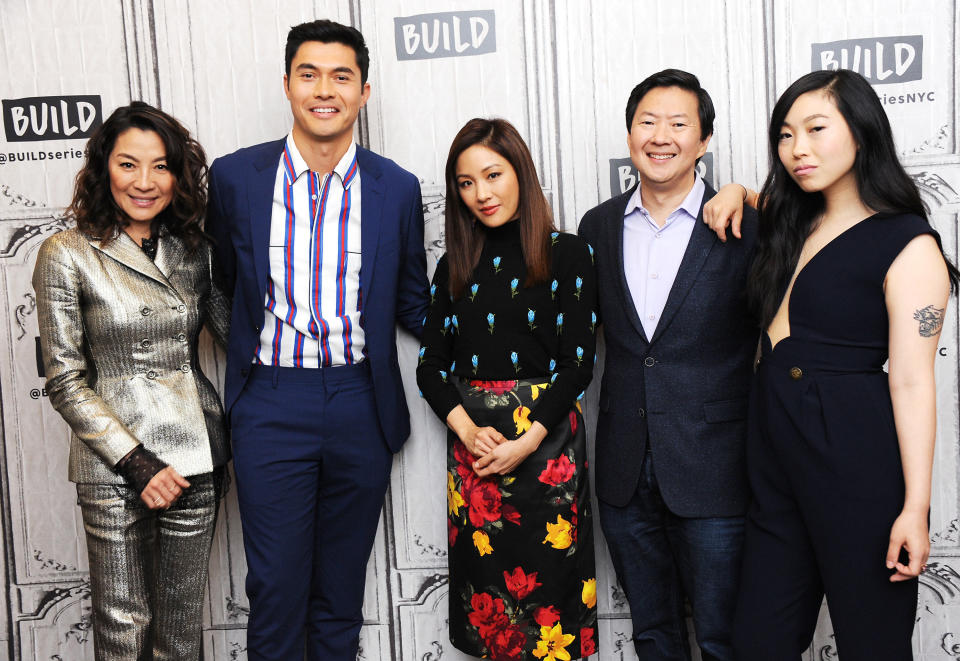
<point x="787" y="213"/>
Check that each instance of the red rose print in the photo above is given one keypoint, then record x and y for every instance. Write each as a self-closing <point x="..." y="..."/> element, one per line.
<point x="496" y="387"/>
<point x="546" y="616"/>
<point x="488" y="614"/>
<point x="510" y="513"/>
<point x="506" y="644"/>
<point x="558" y="471"/>
<point x="483" y="502"/>
<point x="464" y="460"/>
<point x="588" y="644"/>
<point x="520" y="584"/>
<point x="573" y="422"/>
<point x="452" y="532"/>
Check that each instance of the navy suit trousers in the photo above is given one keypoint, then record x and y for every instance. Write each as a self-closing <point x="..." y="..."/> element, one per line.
<point x="312" y="468"/>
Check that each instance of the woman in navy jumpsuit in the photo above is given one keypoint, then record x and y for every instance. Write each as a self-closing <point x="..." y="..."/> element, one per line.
<point x="848" y="273"/>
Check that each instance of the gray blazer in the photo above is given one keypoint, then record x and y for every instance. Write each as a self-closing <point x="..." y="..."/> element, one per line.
<point x="119" y="339"/>
<point x="683" y="391"/>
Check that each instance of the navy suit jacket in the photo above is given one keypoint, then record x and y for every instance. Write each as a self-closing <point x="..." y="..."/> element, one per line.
<point x="683" y="391"/>
<point x="393" y="274"/>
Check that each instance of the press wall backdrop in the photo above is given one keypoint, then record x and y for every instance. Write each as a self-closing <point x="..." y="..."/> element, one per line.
<point x="561" y="72"/>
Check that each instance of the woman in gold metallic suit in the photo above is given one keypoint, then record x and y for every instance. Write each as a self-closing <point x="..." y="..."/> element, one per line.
<point x="121" y="300"/>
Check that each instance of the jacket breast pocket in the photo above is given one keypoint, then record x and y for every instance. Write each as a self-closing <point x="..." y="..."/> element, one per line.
<point x="726" y="410"/>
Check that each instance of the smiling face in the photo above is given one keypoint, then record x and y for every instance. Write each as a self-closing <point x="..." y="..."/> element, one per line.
<point x="816" y="146"/>
<point x="141" y="184"/>
<point x="325" y="93"/>
<point x="488" y="185"/>
<point x="664" y="139"/>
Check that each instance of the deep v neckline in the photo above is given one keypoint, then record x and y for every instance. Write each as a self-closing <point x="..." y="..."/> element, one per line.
<point x="788" y="294"/>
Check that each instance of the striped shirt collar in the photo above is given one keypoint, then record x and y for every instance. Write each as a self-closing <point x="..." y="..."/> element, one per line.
<point x="295" y="166"/>
<point x="690" y="204"/>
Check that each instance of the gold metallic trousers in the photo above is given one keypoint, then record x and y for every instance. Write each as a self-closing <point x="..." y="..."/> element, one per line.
<point x="148" y="570"/>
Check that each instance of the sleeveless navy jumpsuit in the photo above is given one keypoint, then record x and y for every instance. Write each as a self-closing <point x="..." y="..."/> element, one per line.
<point x="824" y="463"/>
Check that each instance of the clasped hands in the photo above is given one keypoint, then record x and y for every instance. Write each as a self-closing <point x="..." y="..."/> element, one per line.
<point x="163" y="489"/>
<point x="496" y="454"/>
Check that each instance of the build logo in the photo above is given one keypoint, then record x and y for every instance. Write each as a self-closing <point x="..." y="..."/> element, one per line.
<point x="39" y="118"/>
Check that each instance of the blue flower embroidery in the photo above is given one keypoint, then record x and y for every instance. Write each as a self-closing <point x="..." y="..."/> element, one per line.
<point x="456" y="324"/>
<point x="553" y="378"/>
<point x="579" y="354"/>
<point x="590" y="248"/>
<point x="490" y="318"/>
<point x="496" y="265"/>
<point x="593" y="321"/>
<point x="453" y="366"/>
<point x="553" y="238"/>
<point x="433" y="291"/>
<point x="443" y="375"/>
<point x="513" y="359"/>
<point x="553" y="289"/>
<point x="513" y="287"/>
<point x="474" y="361"/>
<point x="446" y="325"/>
<point x="579" y="284"/>
<point x="473" y="291"/>
<point x="559" y="323"/>
<point x="531" y="314"/>
<point x="422" y="351"/>
<point x="552" y="365"/>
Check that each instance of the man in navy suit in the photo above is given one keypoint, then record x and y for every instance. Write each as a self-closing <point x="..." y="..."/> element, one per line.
<point x="321" y="243"/>
<point x="670" y="474"/>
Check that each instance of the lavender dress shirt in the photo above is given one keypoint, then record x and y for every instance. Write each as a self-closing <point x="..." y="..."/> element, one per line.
<point x="652" y="254"/>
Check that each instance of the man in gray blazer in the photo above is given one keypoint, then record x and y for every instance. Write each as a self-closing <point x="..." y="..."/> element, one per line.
<point x="670" y="473"/>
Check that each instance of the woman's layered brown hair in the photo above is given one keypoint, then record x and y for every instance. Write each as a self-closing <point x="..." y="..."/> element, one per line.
<point x="96" y="212"/>
<point x="464" y="238"/>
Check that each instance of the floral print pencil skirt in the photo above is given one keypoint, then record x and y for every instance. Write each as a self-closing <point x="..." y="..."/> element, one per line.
<point x="522" y="577"/>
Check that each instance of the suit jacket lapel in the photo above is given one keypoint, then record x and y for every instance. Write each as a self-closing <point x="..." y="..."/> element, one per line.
<point x="701" y="242"/>
<point x="617" y="222"/>
<point x="170" y="252"/>
<point x="371" y="210"/>
<point x="260" y="186"/>
<point x="125" y="250"/>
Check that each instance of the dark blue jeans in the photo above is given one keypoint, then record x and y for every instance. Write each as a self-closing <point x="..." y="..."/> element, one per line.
<point x="659" y="558"/>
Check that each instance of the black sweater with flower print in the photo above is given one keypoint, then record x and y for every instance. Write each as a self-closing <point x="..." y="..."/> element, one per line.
<point x="501" y="331"/>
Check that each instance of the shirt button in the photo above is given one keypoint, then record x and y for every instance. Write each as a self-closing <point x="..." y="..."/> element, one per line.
<point x="181" y="308"/>
<point x="313" y="197"/>
<point x="654" y="276"/>
<point x="649" y="361"/>
<point x="796" y="373"/>
<point x="657" y="236"/>
<point x="145" y="310"/>
<point x="151" y="374"/>
<point x="651" y="317"/>
<point x="642" y="413"/>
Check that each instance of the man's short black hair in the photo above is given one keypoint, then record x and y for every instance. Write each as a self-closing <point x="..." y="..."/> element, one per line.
<point x="674" y="78"/>
<point x="329" y="32"/>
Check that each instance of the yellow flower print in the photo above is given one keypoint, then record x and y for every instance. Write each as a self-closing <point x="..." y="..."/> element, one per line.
<point x="558" y="534"/>
<point x="454" y="499"/>
<point x="482" y="542"/>
<point x="536" y="388"/>
<point x="521" y="416"/>
<point x="589" y="594"/>
<point x="552" y="645"/>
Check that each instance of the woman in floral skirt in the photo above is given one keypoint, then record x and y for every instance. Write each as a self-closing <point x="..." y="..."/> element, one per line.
<point x="508" y="348"/>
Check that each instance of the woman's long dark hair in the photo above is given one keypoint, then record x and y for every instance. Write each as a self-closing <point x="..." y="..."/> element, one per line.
<point x="463" y="236"/>
<point x="93" y="207"/>
<point x="787" y="213"/>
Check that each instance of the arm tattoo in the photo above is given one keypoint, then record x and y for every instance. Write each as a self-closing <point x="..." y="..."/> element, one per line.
<point x="931" y="320"/>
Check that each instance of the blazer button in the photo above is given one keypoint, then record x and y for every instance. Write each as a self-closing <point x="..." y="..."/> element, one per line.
<point x="145" y="310"/>
<point x="145" y="343"/>
<point x="182" y="337"/>
<point x="643" y="414"/>
<point x="151" y="374"/>
<point x="181" y="308"/>
<point x="185" y="368"/>
<point x="649" y="361"/>
<point x="796" y="373"/>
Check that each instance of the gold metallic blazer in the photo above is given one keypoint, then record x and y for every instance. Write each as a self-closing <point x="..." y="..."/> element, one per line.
<point x="119" y="338"/>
